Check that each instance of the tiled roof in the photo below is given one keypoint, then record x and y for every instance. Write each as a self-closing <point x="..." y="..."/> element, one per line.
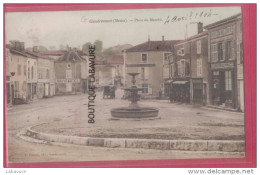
<point x="37" y="54"/>
<point x="166" y="45"/>
<point x="116" y="59"/>
<point x="53" y="52"/>
<point x="99" y="62"/>
<point x="18" y="52"/>
<point x="71" y="56"/>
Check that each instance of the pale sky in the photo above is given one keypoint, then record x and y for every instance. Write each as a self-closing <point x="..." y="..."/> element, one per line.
<point x="69" y="27"/>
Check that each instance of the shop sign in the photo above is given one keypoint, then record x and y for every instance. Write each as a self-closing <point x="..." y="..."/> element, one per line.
<point x="222" y="65"/>
<point x="68" y="80"/>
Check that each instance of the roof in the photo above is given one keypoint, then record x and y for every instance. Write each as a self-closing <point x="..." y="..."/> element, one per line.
<point x="116" y="59"/>
<point x="38" y="55"/>
<point x="12" y="50"/>
<point x="60" y="52"/>
<point x="99" y="62"/>
<point x="53" y="52"/>
<point x="166" y="45"/>
<point x="223" y="21"/>
<point x="193" y="37"/>
<point x="71" y="56"/>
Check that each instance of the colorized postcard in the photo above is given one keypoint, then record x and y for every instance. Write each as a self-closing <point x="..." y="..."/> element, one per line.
<point x="125" y="84"/>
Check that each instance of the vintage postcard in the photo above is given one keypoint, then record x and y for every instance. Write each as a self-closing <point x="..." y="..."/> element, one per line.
<point x="146" y="84"/>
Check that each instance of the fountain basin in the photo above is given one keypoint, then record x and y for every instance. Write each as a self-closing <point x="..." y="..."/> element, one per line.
<point x="134" y="113"/>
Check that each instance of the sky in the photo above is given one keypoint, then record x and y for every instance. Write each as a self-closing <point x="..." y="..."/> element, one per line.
<point x="74" y="28"/>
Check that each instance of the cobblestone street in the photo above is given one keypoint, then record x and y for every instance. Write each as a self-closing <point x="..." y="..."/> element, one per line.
<point x="67" y="115"/>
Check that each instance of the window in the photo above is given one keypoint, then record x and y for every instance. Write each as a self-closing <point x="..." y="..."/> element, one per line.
<point x="198" y="47"/>
<point x="229" y="49"/>
<point x="167" y="57"/>
<point x="144" y="57"/>
<point x="183" y="68"/>
<point x="181" y="52"/>
<point x="19" y="67"/>
<point x="34" y="89"/>
<point x="47" y="73"/>
<point x="229" y="30"/>
<point x="241" y="53"/>
<point x="16" y="89"/>
<point x="24" y="70"/>
<point x="144" y="73"/>
<point x="199" y="67"/>
<point x="28" y="73"/>
<point x="214" y="52"/>
<point x="187" y="69"/>
<point x="32" y="72"/>
<point x="220" y="51"/>
<point x="145" y="90"/>
<point x="228" y="81"/>
<point x="172" y="70"/>
<point x="24" y="86"/>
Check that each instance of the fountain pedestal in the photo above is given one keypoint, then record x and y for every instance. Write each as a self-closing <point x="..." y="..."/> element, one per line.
<point x="134" y="111"/>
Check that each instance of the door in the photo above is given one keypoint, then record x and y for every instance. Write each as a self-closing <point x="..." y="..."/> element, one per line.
<point x="197" y="93"/>
<point x="46" y="89"/>
<point x="222" y="94"/>
<point x="12" y="93"/>
<point x="68" y="87"/>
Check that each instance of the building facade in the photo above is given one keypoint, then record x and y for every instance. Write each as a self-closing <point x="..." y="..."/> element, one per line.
<point x="18" y="70"/>
<point x="32" y="76"/>
<point x="148" y="60"/>
<point x="71" y="74"/>
<point x="226" y="63"/>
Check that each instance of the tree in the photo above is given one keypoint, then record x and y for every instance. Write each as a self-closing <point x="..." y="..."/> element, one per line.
<point x="85" y="47"/>
<point x="99" y="47"/>
<point x="13" y="41"/>
<point x="42" y="48"/>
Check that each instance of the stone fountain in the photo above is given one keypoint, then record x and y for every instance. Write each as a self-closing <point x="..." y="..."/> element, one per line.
<point x="134" y="111"/>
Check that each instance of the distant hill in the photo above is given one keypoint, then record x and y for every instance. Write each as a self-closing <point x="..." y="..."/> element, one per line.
<point x="115" y="50"/>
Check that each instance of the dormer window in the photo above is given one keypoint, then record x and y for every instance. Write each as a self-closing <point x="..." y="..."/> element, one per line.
<point x="181" y="52"/>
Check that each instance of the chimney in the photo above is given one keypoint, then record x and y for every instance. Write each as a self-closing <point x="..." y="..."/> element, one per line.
<point x="19" y="46"/>
<point x="200" y="27"/>
<point x="162" y="38"/>
<point x="35" y="48"/>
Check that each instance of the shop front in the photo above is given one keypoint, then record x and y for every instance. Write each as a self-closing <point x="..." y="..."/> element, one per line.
<point x="223" y="86"/>
<point x="197" y="91"/>
<point x="180" y="91"/>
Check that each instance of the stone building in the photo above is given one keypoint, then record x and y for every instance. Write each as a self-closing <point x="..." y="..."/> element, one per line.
<point x="46" y="77"/>
<point x="8" y="75"/>
<point x="45" y="74"/>
<point x="226" y="63"/>
<point x="117" y="64"/>
<point x="190" y="67"/>
<point x="71" y="73"/>
<point x="110" y="71"/>
<point x="17" y="82"/>
<point x="32" y="78"/>
<point x="148" y="59"/>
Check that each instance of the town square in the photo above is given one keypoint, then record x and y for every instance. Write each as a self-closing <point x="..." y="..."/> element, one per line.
<point x="99" y="87"/>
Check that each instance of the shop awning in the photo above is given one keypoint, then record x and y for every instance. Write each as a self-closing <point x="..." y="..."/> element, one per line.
<point x="180" y="82"/>
<point x="168" y="81"/>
